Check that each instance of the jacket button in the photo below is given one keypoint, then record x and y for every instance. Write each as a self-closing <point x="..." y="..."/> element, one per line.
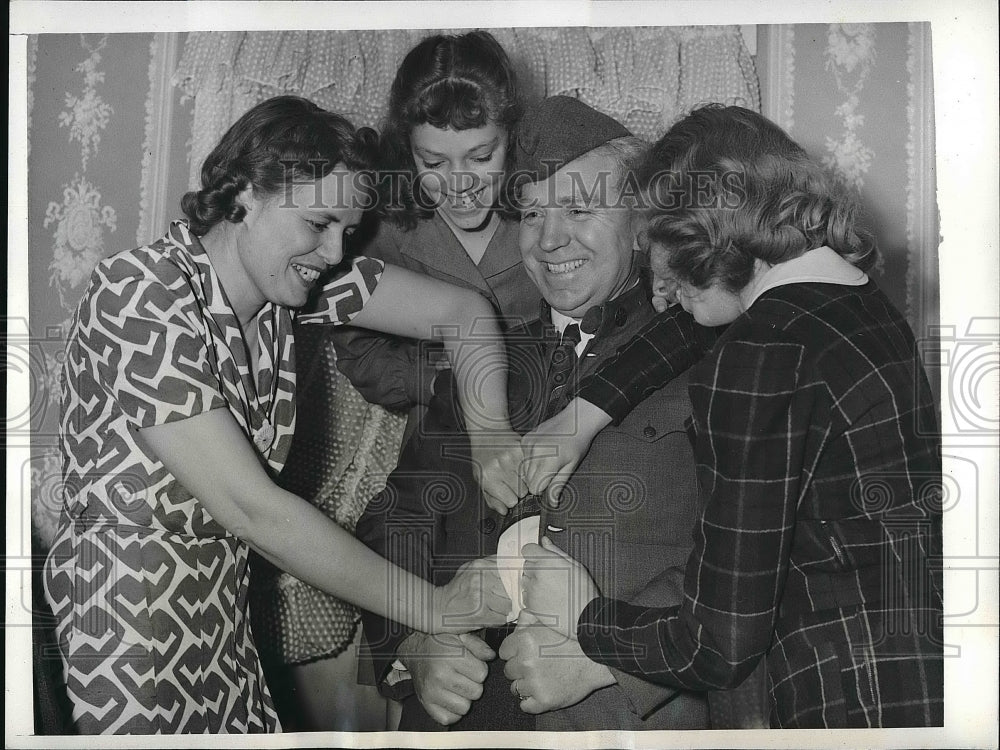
<point x="649" y="431"/>
<point x="488" y="525"/>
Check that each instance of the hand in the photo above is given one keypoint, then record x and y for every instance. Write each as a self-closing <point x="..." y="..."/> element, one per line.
<point x="554" y="449"/>
<point x="474" y="598"/>
<point x="547" y="669"/>
<point x="497" y="458"/>
<point x="555" y="587"/>
<point x="448" y="672"/>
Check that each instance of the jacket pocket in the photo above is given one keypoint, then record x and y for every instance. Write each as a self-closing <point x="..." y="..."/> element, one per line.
<point x="666" y="411"/>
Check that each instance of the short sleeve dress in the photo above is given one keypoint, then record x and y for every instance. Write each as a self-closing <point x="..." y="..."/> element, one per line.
<point x="149" y="591"/>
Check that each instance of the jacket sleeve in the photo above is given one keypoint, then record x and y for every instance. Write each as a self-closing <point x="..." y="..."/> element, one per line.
<point x="669" y="344"/>
<point x="402" y="537"/>
<point x="647" y="697"/>
<point x="404" y="524"/>
<point x="390" y="371"/>
<point x="387" y="370"/>
<point x="754" y="417"/>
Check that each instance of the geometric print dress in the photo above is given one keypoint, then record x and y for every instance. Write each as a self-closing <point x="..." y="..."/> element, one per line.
<point x="149" y="591"/>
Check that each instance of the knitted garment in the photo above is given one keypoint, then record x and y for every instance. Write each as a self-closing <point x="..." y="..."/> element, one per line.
<point x="343" y="450"/>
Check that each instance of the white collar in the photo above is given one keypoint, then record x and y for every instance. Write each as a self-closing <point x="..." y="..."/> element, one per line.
<point x="823" y="265"/>
<point x="562" y="322"/>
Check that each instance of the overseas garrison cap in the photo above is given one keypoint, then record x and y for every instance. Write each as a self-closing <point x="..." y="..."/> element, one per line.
<point x="556" y="131"/>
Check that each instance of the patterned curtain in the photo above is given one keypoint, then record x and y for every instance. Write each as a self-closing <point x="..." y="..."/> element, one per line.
<point x="644" y="77"/>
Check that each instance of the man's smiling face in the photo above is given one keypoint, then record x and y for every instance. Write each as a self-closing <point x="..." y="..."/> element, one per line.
<point x="577" y="251"/>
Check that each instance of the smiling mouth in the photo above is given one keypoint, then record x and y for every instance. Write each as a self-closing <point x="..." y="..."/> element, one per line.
<point x="570" y="265"/>
<point x="309" y="275"/>
<point x="467" y="200"/>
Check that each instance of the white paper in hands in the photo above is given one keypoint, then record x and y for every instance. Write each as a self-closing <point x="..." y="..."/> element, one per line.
<point x="510" y="563"/>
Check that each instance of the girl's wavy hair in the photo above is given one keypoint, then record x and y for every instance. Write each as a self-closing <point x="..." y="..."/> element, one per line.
<point x="277" y="143"/>
<point x="457" y="82"/>
<point x="727" y="187"/>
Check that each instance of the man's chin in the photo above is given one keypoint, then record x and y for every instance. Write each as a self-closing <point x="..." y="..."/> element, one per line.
<point x="571" y="308"/>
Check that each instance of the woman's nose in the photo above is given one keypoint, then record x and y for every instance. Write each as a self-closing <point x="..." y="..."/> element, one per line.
<point x="331" y="249"/>
<point x="462" y="181"/>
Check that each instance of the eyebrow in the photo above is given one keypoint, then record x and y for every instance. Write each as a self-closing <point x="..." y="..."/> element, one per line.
<point x="491" y="144"/>
<point x="566" y="201"/>
<point x="319" y="213"/>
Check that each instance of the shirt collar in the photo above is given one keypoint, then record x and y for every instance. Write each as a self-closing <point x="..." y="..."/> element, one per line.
<point x="560" y="321"/>
<point x="600" y="318"/>
<point x="821" y="265"/>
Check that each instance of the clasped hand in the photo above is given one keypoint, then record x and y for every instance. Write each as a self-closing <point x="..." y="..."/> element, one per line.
<point x="474" y="598"/>
<point x="448" y="672"/>
<point x="542" y="461"/>
<point x="555" y="588"/>
<point x="547" y="670"/>
<point x="497" y="457"/>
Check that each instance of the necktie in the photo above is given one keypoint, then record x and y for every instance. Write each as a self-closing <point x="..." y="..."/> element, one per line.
<point x="562" y="368"/>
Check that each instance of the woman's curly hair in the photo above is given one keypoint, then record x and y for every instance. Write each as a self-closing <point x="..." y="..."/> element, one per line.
<point x="727" y="187"/>
<point x="278" y="142"/>
<point x="457" y="82"/>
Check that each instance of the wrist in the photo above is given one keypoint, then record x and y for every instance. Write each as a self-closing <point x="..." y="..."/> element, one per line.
<point x="590" y="419"/>
<point x="601" y="675"/>
<point x="434" y="621"/>
<point x="585" y="601"/>
<point x="409" y="647"/>
<point x="442" y="618"/>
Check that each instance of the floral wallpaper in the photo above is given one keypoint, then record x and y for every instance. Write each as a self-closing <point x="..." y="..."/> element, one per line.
<point x="850" y="54"/>
<point x="85" y="91"/>
<point x="78" y="223"/>
<point x="853" y="96"/>
<point x="88" y="114"/>
<point x="80" y="220"/>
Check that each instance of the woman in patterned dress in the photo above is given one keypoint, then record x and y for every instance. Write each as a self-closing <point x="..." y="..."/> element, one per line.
<point x="178" y="411"/>
<point x="814" y="431"/>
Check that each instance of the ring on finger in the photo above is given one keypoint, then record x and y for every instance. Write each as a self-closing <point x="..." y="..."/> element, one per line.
<point x="517" y="692"/>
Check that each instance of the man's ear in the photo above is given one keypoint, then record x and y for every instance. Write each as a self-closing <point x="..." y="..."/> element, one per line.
<point x="640" y="239"/>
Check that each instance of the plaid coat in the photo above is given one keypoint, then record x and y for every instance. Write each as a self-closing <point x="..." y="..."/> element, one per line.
<point x="821" y="527"/>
